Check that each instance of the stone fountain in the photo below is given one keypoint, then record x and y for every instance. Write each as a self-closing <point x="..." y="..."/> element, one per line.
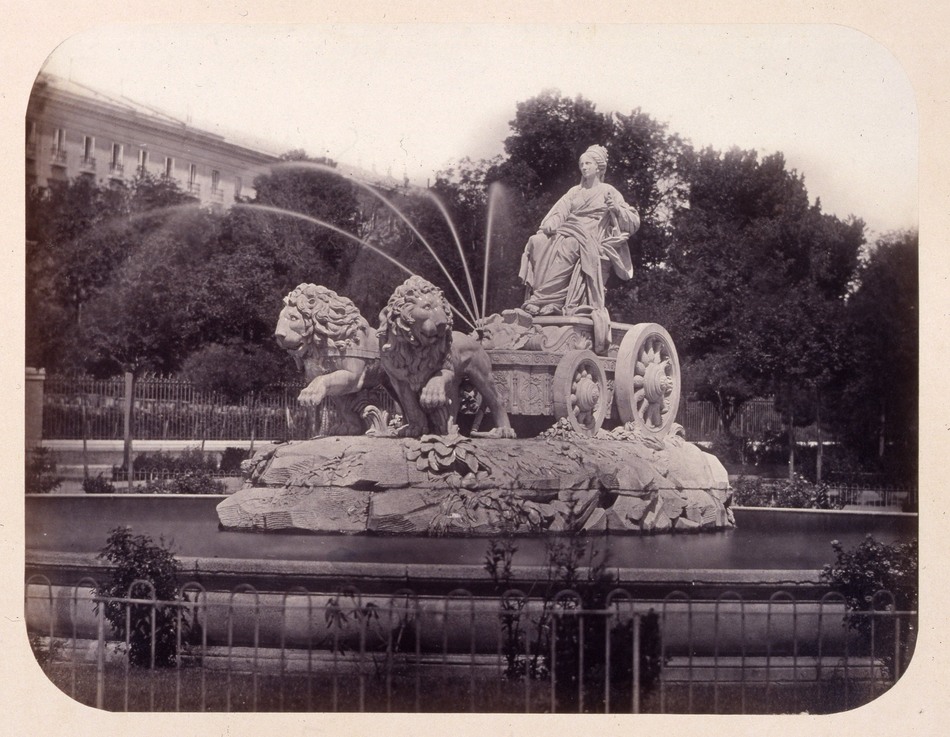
<point x="391" y="459"/>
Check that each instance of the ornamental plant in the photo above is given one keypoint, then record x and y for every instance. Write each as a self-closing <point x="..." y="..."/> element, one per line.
<point x="136" y="559"/>
<point x="879" y="577"/>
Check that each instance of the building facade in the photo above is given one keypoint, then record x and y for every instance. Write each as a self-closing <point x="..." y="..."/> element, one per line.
<point x="73" y="131"/>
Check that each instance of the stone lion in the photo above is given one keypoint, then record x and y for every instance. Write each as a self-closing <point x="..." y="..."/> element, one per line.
<point x="426" y="361"/>
<point x="334" y="345"/>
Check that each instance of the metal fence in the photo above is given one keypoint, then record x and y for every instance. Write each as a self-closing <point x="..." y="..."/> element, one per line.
<point x="248" y="650"/>
<point x="756" y="417"/>
<point x="167" y="408"/>
<point x="867" y="495"/>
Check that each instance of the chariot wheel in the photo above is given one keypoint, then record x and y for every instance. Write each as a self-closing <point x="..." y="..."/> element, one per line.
<point x="647" y="378"/>
<point x="580" y="391"/>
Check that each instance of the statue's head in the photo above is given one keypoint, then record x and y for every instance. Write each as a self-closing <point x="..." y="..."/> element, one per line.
<point x="316" y="316"/>
<point x="598" y="156"/>
<point x="418" y="314"/>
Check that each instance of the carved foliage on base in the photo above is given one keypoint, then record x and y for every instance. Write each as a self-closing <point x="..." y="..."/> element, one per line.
<point x="458" y="485"/>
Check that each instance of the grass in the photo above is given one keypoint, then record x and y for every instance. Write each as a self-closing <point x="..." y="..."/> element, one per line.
<point x="429" y="689"/>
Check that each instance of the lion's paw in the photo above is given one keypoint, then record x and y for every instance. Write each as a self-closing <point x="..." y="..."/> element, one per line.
<point x="433" y="394"/>
<point x="312" y="395"/>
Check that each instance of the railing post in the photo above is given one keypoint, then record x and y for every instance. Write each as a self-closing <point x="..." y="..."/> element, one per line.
<point x="101" y="657"/>
<point x="636" y="662"/>
<point x="127" y="427"/>
<point x="35" y="379"/>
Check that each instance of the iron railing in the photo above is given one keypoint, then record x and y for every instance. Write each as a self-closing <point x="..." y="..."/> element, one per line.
<point x="249" y="650"/>
<point x="167" y="408"/>
<point x="170" y="409"/>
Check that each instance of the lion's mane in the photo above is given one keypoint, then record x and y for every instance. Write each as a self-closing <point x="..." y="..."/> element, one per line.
<point x="331" y="320"/>
<point x="410" y="361"/>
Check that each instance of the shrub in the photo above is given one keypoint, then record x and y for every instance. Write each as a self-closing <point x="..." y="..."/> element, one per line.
<point x="571" y="638"/>
<point x="795" y="494"/>
<point x="41" y="475"/>
<point x="861" y="574"/>
<point x="163" y="463"/>
<point x="190" y="482"/>
<point x="231" y="459"/>
<point x="139" y="558"/>
<point x="97" y="485"/>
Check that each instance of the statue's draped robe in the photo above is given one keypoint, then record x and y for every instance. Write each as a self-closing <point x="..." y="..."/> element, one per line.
<point x="568" y="269"/>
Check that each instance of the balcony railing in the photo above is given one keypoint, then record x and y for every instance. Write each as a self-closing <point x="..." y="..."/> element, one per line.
<point x="217" y="194"/>
<point x="194" y="188"/>
<point x="88" y="163"/>
<point x="58" y="157"/>
<point x="116" y="169"/>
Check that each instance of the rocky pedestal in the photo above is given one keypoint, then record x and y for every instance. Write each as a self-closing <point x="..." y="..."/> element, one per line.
<point x="454" y="485"/>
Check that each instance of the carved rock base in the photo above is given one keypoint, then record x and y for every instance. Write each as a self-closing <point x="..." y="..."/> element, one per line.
<point x="462" y="486"/>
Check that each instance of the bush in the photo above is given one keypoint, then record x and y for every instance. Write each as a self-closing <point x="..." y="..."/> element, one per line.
<point x="41" y="475"/>
<point x="97" y="485"/>
<point x="231" y="459"/>
<point x="573" y="639"/>
<point x="752" y="491"/>
<point x="163" y="463"/>
<point x="861" y="574"/>
<point x="139" y="558"/>
<point x="187" y="483"/>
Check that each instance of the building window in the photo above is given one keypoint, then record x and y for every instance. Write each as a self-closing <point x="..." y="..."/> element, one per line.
<point x="143" y="161"/>
<point x="169" y="167"/>
<point x="193" y="179"/>
<point x="116" y="165"/>
<point x="59" y="147"/>
<point x="31" y="138"/>
<point x="238" y="186"/>
<point x="217" y="194"/>
<point x="88" y="153"/>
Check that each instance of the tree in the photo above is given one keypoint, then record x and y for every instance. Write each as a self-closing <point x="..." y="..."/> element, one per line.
<point x="234" y="369"/>
<point x="300" y="187"/>
<point x="876" y="412"/>
<point x="760" y="278"/>
<point x="549" y="133"/>
<point x="78" y="235"/>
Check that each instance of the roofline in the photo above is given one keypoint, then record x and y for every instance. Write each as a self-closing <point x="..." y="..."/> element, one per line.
<point x="157" y="121"/>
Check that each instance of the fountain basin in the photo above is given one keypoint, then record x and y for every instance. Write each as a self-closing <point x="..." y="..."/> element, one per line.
<point x="64" y="532"/>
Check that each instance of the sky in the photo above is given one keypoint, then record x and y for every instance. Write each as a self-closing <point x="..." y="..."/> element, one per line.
<point x="410" y="99"/>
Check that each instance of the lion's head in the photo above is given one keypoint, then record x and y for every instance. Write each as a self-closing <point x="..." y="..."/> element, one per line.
<point x="314" y="316"/>
<point x="415" y="329"/>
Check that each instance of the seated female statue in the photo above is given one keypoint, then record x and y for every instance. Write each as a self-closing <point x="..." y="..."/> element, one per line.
<point x="583" y="237"/>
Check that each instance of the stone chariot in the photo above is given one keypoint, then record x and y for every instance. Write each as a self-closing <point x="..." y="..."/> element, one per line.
<point x="546" y="368"/>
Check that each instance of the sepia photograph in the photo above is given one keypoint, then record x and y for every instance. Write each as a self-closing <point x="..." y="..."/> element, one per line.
<point x="495" y="368"/>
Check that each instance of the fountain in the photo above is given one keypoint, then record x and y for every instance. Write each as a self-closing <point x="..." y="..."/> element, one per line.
<point x="610" y="455"/>
<point x="598" y="452"/>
